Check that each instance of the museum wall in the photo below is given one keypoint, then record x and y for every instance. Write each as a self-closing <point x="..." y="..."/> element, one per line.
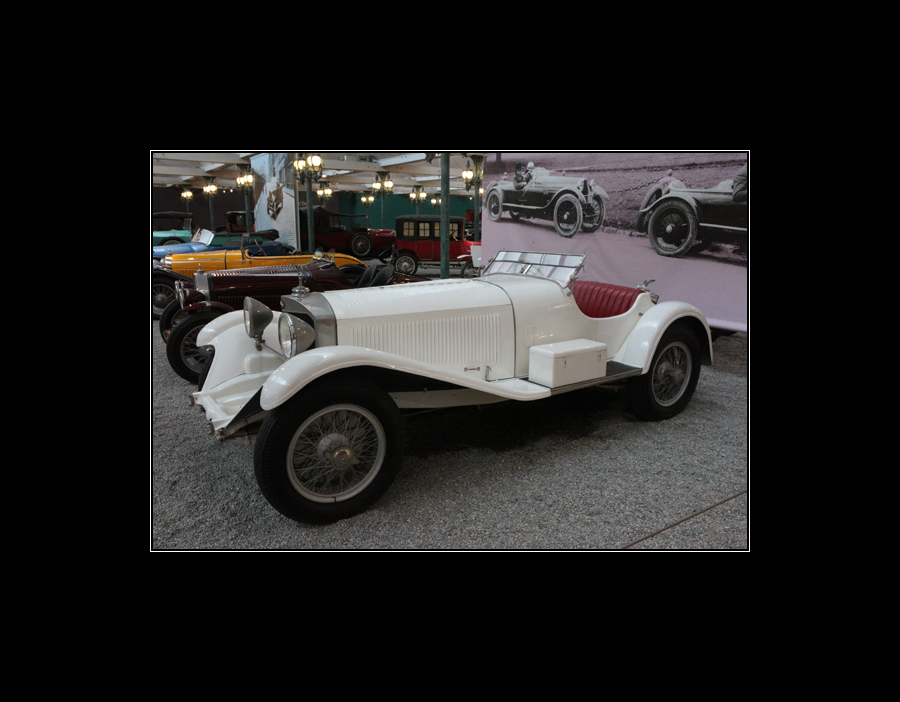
<point x="712" y="277"/>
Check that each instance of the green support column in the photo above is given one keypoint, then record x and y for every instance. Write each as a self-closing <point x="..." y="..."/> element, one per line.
<point x="310" y="222"/>
<point x="299" y="242"/>
<point x="445" y="215"/>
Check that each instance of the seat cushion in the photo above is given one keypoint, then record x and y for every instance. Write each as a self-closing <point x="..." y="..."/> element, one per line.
<point x="603" y="299"/>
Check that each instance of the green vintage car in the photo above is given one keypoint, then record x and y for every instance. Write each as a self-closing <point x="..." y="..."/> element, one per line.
<point x="170" y="227"/>
<point x="175" y="228"/>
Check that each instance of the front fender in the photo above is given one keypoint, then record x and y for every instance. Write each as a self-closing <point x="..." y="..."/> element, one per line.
<point x="291" y="377"/>
<point x="235" y="352"/>
<point x="680" y="196"/>
<point x="638" y="350"/>
<point x="597" y="190"/>
<point x="207" y="305"/>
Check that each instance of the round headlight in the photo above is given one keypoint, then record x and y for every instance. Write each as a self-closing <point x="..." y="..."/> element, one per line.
<point x="256" y="317"/>
<point x="294" y="335"/>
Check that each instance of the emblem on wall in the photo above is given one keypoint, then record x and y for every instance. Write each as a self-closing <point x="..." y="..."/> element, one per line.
<point x="275" y="201"/>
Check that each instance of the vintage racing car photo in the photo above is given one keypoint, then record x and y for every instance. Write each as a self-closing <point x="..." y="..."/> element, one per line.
<point x="571" y="203"/>
<point x="680" y="220"/>
<point x="320" y="386"/>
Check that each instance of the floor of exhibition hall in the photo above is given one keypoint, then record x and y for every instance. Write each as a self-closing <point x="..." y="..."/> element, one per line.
<point x="576" y="471"/>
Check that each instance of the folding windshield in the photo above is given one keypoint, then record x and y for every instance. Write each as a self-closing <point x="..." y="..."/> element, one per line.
<point x="203" y="236"/>
<point x="563" y="268"/>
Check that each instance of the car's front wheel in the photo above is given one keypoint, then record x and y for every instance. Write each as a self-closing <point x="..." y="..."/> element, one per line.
<point x="495" y="206"/>
<point x="406" y="264"/>
<point x="330" y="452"/>
<point x="162" y="292"/>
<point x="668" y="386"/>
<point x="567" y="216"/>
<point x="185" y="357"/>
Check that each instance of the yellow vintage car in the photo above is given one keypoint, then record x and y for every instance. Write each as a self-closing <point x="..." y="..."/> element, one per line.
<point x="177" y="267"/>
<point x="188" y="264"/>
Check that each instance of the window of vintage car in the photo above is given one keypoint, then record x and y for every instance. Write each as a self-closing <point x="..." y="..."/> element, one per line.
<point x="409" y="230"/>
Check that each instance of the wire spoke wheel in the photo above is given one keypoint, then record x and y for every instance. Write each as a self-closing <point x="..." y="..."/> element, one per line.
<point x="194" y="356"/>
<point x="672" y="229"/>
<point x="336" y="453"/>
<point x="671" y="374"/>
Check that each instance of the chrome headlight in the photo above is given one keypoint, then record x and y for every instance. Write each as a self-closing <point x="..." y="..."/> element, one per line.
<point x="167" y="263"/>
<point x="294" y="335"/>
<point x="256" y="318"/>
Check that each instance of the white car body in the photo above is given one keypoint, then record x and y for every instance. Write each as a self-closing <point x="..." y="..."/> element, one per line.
<point x="516" y="333"/>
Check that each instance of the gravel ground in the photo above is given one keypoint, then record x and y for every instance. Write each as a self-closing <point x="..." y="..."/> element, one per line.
<point x="574" y="472"/>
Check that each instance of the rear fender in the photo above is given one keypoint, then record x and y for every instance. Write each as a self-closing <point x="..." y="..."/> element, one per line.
<point x="642" y="342"/>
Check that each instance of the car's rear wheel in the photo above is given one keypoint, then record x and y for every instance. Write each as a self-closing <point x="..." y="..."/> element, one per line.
<point x="567" y="216"/>
<point x="673" y="228"/>
<point x="668" y="386"/>
<point x="360" y="245"/>
<point x="330" y="452"/>
<point x="594" y="219"/>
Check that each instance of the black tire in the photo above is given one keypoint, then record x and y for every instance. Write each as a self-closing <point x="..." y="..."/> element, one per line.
<point x="592" y="223"/>
<point x="185" y="357"/>
<point x="167" y="319"/>
<point x="307" y="451"/>
<point x="495" y="205"/>
<point x="567" y="215"/>
<point x="360" y="245"/>
<point x="162" y="292"/>
<point x="672" y="228"/>
<point x="668" y="386"/>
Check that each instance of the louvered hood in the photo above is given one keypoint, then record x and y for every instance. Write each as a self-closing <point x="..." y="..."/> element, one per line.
<point x="459" y="324"/>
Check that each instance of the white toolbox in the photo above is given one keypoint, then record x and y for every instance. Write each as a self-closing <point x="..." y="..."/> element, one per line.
<point x="567" y="362"/>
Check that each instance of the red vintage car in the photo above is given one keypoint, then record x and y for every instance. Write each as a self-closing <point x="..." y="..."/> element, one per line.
<point x="214" y="293"/>
<point x="354" y="239"/>
<point x="419" y="241"/>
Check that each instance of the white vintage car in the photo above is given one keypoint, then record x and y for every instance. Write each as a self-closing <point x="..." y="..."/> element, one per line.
<point x="319" y="388"/>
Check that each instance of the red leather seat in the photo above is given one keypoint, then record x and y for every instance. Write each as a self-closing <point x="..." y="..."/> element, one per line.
<point x="603" y="299"/>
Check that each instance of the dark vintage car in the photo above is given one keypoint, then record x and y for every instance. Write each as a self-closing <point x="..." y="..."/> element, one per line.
<point x="419" y="241"/>
<point x="215" y="293"/>
<point x="571" y="203"/>
<point x="163" y="279"/>
<point x="683" y="219"/>
<point x="355" y="239"/>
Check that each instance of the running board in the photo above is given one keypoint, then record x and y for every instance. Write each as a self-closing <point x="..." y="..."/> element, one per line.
<point x="614" y="371"/>
<point x="522" y="389"/>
